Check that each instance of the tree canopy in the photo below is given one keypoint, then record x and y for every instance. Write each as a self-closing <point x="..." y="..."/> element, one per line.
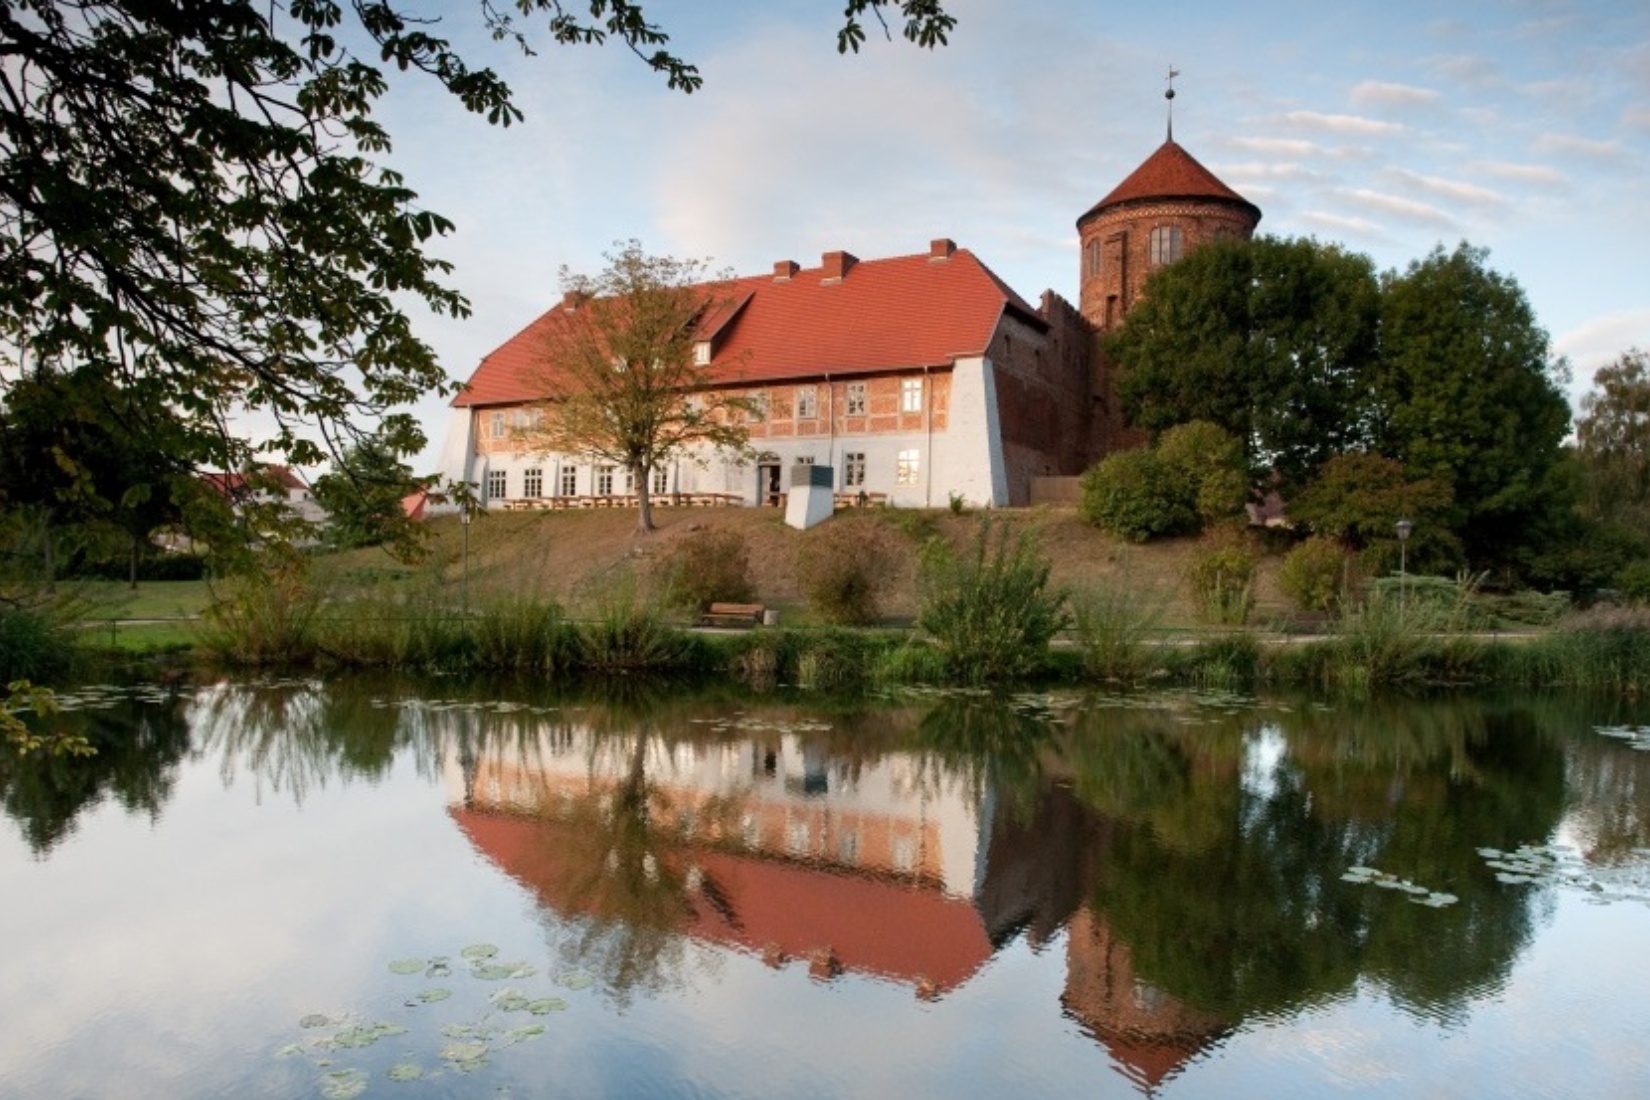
<point x="621" y="378"/>
<point x="192" y="204"/>
<point x="363" y="494"/>
<point x="1269" y="339"/>
<point x="1613" y="441"/>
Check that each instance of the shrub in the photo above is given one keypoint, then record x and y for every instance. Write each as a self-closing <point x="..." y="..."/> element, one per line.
<point x="1634" y="582"/>
<point x="990" y="610"/>
<point x="841" y="567"/>
<point x="1316" y="575"/>
<point x="268" y="618"/>
<point x="1221" y="579"/>
<point x="625" y="632"/>
<point x="34" y="643"/>
<point x="1135" y="495"/>
<point x="1210" y="460"/>
<point x="706" y="567"/>
<point x="1113" y="624"/>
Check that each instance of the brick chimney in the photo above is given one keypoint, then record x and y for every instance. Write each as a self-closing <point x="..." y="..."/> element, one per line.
<point x="940" y="248"/>
<point x="573" y="299"/>
<point x="785" y="270"/>
<point x="836" y="266"/>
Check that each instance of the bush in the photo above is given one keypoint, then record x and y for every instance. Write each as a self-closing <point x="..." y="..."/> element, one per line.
<point x="267" y="618"/>
<point x="1113" y="624"/>
<point x="1316" y="575"/>
<point x="627" y="633"/>
<point x="34" y="643"/>
<point x="706" y="567"/>
<point x="1210" y="459"/>
<point x="1135" y="495"/>
<point x="841" y="567"/>
<point x="1221" y="579"/>
<point x="1634" y="582"/>
<point x="990" y="610"/>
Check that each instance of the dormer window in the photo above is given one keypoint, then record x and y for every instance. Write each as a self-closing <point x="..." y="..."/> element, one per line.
<point x="1165" y="245"/>
<point x="701" y="353"/>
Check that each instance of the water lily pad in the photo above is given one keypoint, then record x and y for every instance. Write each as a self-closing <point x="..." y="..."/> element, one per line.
<point x="345" y="1084"/>
<point x="315" y="1019"/>
<point x="1508" y="876"/>
<point x="439" y="969"/>
<point x="578" y="980"/>
<point x="405" y="1071"/>
<point x="406" y="966"/>
<point x="512" y="1000"/>
<point x="458" y="1031"/>
<point x="430" y="996"/>
<point x="524" y="1032"/>
<point x="479" y="951"/>
<point x="494" y="973"/>
<point x="464" y="1053"/>
<point x="546" y="1006"/>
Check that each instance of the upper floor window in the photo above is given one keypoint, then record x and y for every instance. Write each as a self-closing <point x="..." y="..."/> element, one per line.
<point x="856" y="398"/>
<point x="701" y="353"/>
<point x="1091" y="258"/>
<point x="759" y="404"/>
<point x="496" y="425"/>
<point x="1165" y="245"/>
<point x="807" y="403"/>
<point x="910" y="395"/>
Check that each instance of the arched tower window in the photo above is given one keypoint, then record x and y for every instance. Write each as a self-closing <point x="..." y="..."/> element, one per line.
<point x="1091" y="259"/>
<point x="1165" y="245"/>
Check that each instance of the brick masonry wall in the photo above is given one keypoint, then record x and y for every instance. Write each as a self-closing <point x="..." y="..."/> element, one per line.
<point x="1124" y="234"/>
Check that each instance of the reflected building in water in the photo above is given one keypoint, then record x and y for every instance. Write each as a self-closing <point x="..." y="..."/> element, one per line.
<point x="886" y="868"/>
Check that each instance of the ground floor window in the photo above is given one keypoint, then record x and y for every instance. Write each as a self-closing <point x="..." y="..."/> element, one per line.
<point x="604" y="481"/>
<point x="661" y="480"/>
<point x="905" y="467"/>
<point x="569" y="480"/>
<point x="496" y="485"/>
<point x="532" y="482"/>
<point x="853" y="469"/>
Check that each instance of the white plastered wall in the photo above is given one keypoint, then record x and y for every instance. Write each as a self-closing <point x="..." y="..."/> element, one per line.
<point x="968" y="454"/>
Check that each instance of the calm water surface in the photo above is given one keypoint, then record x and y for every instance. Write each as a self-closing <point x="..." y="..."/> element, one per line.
<point x="306" y="889"/>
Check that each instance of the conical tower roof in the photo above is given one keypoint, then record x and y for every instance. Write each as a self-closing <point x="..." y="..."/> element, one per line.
<point x="1170" y="173"/>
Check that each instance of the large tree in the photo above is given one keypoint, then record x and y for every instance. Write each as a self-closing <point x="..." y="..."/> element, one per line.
<point x="190" y="194"/>
<point x="1613" y="442"/>
<point x="621" y="379"/>
<point x="363" y="493"/>
<point x="1468" y="392"/>
<point x="1270" y="339"/>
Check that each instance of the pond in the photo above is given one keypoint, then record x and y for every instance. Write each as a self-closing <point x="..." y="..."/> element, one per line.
<point x="386" y="888"/>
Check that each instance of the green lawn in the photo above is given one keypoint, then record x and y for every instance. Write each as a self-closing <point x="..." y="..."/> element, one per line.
<point x="152" y="600"/>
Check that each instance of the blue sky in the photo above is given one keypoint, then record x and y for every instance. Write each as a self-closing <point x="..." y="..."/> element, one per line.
<point x="1520" y="125"/>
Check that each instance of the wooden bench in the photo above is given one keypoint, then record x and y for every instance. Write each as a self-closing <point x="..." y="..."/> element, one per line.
<point x="733" y="614"/>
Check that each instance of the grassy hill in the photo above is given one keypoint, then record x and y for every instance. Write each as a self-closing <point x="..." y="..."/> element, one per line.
<point x="569" y="554"/>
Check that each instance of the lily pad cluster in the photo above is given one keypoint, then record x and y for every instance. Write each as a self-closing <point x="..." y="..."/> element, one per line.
<point x="109" y="696"/>
<point x="1420" y="895"/>
<point x="1637" y="737"/>
<point x="745" y="723"/>
<point x="1561" y="865"/>
<point x="454" y="1044"/>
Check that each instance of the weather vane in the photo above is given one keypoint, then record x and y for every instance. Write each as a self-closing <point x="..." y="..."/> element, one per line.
<point x="1169" y="95"/>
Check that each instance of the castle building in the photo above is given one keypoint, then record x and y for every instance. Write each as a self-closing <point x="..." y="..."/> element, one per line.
<point x="917" y="379"/>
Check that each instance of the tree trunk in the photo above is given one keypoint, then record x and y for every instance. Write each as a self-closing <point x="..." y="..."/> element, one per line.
<point x="132" y="564"/>
<point x="640" y="475"/>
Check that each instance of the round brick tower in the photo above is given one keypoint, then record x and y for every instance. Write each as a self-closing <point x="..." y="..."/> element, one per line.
<point x="1164" y="209"/>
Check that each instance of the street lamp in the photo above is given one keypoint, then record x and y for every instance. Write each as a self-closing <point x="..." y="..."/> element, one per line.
<point x="464" y="523"/>
<point x="1404" y="528"/>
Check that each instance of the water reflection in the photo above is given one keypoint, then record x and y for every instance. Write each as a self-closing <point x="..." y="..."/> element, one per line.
<point x="1184" y="856"/>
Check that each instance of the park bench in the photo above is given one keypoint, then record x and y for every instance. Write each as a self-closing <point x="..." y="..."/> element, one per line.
<point x="732" y="614"/>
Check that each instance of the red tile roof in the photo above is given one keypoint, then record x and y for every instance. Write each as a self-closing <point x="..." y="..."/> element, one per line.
<point x="1169" y="173"/>
<point x="233" y="484"/>
<point x="900" y="313"/>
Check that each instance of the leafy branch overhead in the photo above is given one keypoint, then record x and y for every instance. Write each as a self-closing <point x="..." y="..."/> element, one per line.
<point x="191" y="198"/>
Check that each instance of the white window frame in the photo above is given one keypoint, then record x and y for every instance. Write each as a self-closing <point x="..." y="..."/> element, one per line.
<point x="907" y="466"/>
<point x="498" y="485"/>
<point x="701" y="353"/>
<point x="661" y="480"/>
<point x="807" y="403"/>
<point x="910" y="395"/>
<point x="603" y="483"/>
<point x="856" y="399"/>
<point x="569" y="481"/>
<point x="1165" y="244"/>
<point x="532" y="481"/>
<point x="496" y="427"/>
<point x="853" y="469"/>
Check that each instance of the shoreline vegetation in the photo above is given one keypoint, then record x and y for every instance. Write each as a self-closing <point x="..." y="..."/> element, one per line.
<point x="956" y="600"/>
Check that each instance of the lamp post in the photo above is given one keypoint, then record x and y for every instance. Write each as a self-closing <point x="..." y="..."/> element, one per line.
<point x="464" y="524"/>
<point x="1404" y="528"/>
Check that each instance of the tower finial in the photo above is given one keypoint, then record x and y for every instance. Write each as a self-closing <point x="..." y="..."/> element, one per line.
<point x="1169" y="95"/>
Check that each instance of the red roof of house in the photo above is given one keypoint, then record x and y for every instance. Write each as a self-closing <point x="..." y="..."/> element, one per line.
<point x="900" y="313"/>
<point x="1169" y="173"/>
<point x="233" y="484"/>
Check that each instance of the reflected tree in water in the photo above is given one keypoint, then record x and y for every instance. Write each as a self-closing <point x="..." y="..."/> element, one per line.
<point x="993" y="747"/>
<point x="139" y="746"/>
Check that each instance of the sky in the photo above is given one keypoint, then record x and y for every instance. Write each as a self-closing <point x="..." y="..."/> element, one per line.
<point x="1520" y="126"/>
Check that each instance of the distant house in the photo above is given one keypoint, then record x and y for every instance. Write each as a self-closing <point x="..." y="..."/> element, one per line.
<point x="268" y="485"/>
<point x="919" y="378"/>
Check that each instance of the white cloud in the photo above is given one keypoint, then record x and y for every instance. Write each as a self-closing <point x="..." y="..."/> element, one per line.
<point x="1454" y="190"/>
<point x="1468" y="69"/>
<point x="1345" y="224"/>
<point x="1539" y="175"/>
<point x="1599" y="340"/>
<point x="1287" y="147"/>
<point x="1375" y="93"/>
<point x="1637" y="118"/>
<point x="1343" y="124"/>
<point x="1408" y="209"/>
<point x="1575" y="145"/>
<point x="1285" y="170"/>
